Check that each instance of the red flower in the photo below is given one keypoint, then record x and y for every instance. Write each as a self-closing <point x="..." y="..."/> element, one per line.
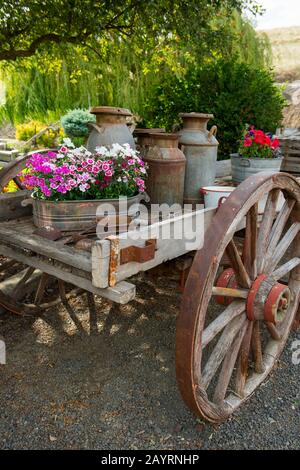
<point x="247" y="142"/>
<point x="275" y="143"/>
<point x="268" y="141"/>
<point x="259" y="139"/>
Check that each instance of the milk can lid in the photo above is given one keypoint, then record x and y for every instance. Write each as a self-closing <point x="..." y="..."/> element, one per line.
<point x="196" y="115"/>
<point x="110" y="110"/>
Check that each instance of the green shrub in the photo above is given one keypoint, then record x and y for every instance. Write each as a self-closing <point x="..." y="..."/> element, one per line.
<point x="237" y="94"/>
<point x="49" y="139"/>
<point x="75" y="122"/>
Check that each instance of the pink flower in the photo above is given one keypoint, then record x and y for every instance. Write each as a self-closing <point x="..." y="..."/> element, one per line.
<point x="63" y="149"/>
<point x="51" y="154"/>
<point x="108" y="173"/>
<point x="105" y="167"/>
<point x="62" y="188"/>
<point x="247" y="142"/>
<point x="131" y="161"/>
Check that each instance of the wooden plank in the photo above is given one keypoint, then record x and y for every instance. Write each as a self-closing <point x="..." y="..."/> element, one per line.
<point x="48" y="248"/>
<point x="167" y="247"/>
<point x="121" y="293"/>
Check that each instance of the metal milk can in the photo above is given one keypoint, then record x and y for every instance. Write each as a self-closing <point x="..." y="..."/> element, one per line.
<point x="200" y="148"/>
<point x="111" y="127"/>
<point x="166" y="169"/>
<point x="143" y="138"/>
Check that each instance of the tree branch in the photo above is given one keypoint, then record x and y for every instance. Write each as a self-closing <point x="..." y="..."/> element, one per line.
<point x="13" y="54"/>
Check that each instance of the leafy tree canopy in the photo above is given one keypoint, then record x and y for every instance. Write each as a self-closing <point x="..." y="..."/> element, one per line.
<point x="27" y="27"/>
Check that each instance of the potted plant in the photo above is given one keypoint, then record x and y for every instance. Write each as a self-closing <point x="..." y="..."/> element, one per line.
<point x="258" y="151"/>
<point x="70" y="185"/>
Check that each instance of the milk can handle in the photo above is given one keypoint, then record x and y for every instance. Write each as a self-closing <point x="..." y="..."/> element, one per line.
<point x="212" y="131"/>
<point x="95" y="126"/>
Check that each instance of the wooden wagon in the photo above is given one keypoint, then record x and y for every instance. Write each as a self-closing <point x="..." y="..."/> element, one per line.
<point x="241" y="291"/>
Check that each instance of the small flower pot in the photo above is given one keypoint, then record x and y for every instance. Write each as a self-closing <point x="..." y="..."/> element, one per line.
<point x="243" y="167"/>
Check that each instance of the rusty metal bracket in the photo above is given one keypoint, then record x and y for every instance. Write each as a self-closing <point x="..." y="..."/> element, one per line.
<point x="139" y="254"/>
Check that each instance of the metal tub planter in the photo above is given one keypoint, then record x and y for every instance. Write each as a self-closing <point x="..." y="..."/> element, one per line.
<point x="243" y="167"/>
<point x="77" y="215"/>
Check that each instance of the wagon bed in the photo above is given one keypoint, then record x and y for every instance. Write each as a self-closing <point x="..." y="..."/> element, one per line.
<point x="240" y="297"/>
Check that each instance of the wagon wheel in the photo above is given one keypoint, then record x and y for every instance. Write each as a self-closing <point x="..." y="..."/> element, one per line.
<point x="235" y="322"/>
<point x="12" y="170"/>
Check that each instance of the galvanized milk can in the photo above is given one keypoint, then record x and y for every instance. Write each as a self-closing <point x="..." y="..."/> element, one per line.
<point x="200" y="148"/>
<point x="110" y="128"/>
<point x="165" y="183"/>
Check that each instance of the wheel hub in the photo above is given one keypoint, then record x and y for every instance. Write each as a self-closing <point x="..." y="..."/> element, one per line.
<point x="266" y="301"/>
<point x="274" y="299"/>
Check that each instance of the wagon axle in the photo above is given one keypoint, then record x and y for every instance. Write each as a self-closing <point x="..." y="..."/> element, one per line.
<point x="266" y="300"/>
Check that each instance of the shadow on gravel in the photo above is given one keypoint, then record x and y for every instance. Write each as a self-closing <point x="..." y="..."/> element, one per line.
<point x="108" y="382"/>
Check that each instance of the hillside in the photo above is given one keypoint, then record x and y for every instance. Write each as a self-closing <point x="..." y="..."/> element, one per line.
<point x="285" y="44"/>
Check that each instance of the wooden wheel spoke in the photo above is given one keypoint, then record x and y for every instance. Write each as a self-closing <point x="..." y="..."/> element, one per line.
<point x="243" y="361"/>
<point x="275" y="334"/>
<point x="237" y="264"/>
<point x="279" y="224"/>
<point x="249" y="251"/>
<point x="230" y="292"/>
<point x="41" y="288"/>
<point x="265" y="228"/>
<point x="221" y="348"/>
<point x="256" y="348"/>
<point x="228" y="366"/>
<point x="285" y="269"/>
<point x="233" y="310"/>
<point x="19" y="287"/>
<point x="272" y="259"/>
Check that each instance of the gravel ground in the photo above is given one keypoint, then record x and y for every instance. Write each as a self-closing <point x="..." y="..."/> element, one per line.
<point x="110" y="383"/>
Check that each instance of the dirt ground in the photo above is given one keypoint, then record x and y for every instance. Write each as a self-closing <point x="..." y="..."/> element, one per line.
<point x="109" y="383"/>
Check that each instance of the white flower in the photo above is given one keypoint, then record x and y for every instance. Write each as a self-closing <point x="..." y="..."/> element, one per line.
<point x="102" y="150"/>
<point x="68" y="142"/>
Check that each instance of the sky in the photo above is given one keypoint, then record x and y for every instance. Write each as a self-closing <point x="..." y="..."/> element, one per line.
<point x="279" y="14"/>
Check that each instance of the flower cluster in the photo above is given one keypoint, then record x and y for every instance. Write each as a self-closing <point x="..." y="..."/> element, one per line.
<point x="77" y="174"/>
<point x="258" y="144"/>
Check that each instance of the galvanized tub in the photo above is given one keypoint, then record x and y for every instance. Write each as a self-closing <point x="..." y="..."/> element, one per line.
<point x="111" y="127"/>
<point x="78" y="215"/>
<point x="243" y="167"/>
<point x="166" y="169"/>
<point x="200" y="148"/>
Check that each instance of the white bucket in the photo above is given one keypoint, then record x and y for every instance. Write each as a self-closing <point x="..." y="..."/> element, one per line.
<point x="213" y="195"/>
<point x="216" y="195"/>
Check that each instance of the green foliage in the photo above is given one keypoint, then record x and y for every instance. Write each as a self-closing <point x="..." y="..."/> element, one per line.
<point x="75" y="122"/>
<point x="50" y="138"/>
<point x="237" y="94"/>
<point x="28" y="27"/>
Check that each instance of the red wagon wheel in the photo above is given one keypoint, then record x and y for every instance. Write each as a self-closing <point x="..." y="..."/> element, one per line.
<point x="234" y="324"/>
